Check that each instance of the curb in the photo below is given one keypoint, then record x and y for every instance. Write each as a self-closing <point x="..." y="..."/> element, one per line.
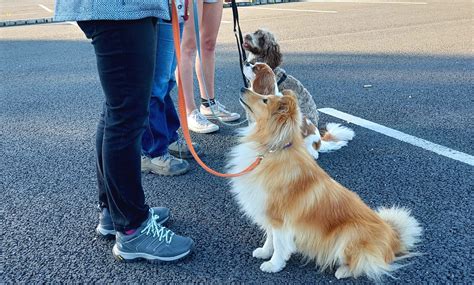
<point x="11" y="23"/>
<point x="26" y="22"/>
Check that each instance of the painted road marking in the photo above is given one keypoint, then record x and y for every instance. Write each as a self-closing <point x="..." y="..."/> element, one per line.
<point x="436" y="148"/>
<point x="294" y="10"/>
<point x="46" y="8"/>
<point x="368" y="2"/>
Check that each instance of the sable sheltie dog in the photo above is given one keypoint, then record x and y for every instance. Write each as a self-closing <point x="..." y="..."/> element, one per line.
<point x="301" y="208"/>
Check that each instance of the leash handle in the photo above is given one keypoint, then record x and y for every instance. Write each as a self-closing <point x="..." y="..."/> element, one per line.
<point x="182" y="106"/>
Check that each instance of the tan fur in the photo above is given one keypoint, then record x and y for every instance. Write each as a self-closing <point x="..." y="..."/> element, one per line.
<point x="264" y="79"/>
<point x="331" y="224"/>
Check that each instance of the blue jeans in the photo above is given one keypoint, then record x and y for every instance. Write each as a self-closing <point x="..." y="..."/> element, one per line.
<point x="163" y="122"/>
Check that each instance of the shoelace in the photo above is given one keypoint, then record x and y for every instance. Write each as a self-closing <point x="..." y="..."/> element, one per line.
<point x="165" y="157"/>
<point x="221" y="108"/>
<point x="201" y="119"/>
<point x="181" y="144"/>
<point x="157" y="230"/>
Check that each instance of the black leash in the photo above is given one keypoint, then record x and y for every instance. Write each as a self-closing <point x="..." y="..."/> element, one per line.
<point x="240" y="41"/>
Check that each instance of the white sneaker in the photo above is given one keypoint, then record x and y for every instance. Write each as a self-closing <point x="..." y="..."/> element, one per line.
<point x="200" y="124"/>
<point x="220" y="111"/>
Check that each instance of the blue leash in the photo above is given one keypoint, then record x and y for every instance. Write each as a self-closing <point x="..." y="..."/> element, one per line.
<point x="198" y="47"/>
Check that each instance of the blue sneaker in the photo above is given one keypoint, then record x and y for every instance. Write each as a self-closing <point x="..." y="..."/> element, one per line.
<point x="106" y="229"/>
<point x="152" y="242"/>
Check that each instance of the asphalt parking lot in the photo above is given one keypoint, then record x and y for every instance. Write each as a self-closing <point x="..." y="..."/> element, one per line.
<point x="416" y="56"/>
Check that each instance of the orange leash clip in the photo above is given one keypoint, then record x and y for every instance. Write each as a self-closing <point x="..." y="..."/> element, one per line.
<point x="182" y="106"/>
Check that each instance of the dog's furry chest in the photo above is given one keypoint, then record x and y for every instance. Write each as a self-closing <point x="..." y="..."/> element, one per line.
<point x="247" y="189"/>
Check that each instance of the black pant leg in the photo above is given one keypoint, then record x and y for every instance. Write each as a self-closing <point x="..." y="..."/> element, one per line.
<point x="125" y="53"/>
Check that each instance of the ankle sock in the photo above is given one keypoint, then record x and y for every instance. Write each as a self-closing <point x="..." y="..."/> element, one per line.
<point x="130" y="232"/>
<point x="205" y="102"/>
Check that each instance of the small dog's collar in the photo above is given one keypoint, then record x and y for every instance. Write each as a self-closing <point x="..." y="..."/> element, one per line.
<point x="282" y="78"/>
<point x="271" y="150"/>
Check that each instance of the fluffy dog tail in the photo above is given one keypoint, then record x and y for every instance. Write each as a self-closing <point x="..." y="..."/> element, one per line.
<point x="335" y="137"/>
<point x="405" y="225"/>
<point x="408" y="232"/>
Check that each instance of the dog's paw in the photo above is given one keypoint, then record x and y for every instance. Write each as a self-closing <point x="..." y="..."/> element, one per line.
<point x="262" y="253"/>
<point x="270" y="267"/>
<point x="343" y="272"/>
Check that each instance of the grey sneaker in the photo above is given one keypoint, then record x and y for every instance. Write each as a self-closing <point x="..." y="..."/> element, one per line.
<point x="166" y="164"/>
<point x="220" y="111"/>
<point x="180" y="149"/>
<point x="106" y="229"/>
<point x="152" y="242"/>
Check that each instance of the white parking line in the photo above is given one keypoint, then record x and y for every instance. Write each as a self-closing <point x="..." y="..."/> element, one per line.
<point x="368" y="2"/>
<point x="436" y="148"/>
<point x="46" y="8"/>
<point x="294" y="10"/>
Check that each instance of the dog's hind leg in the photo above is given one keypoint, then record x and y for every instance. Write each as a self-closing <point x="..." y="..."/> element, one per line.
<point x="284" y="246"/>
<point x="266" y="250"/>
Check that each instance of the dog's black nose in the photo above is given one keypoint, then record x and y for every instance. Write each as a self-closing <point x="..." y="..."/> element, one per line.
<point x="243" y="90"/>
<point x="247" y="63"/>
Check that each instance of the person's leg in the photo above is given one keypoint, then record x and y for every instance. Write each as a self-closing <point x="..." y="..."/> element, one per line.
<point x="196" y="121"/>
<point x="173" y="118"/>
<point x="163" y="120"/>
<point x="210" y="23"/>
<point x="125" y="68"/>
<point x="188" y="53"/>
<point x="103" y="203"/>
<point x="209" y="28"/>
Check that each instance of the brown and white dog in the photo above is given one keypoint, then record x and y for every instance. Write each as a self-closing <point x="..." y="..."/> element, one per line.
<point x="262" y="81"/>
<point x="263" y="47"/>
<point x="301" y="208"/>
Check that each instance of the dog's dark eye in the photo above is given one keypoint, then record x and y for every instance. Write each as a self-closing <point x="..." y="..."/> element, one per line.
<point x="265" y="100"/>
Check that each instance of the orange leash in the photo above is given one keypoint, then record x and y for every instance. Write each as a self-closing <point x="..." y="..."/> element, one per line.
<point x="182" y="106"/>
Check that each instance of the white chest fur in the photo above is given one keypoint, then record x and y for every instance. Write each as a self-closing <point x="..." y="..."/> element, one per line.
<point x="247" y="189"/>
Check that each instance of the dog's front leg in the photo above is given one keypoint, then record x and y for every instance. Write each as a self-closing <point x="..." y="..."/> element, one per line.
<point x="284" y="246"/>
<point x="266" y="250"/>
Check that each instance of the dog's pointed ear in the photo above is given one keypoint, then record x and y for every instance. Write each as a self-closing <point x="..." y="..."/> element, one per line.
<point x="288" y="105"/>
<point x="274" y="57"/>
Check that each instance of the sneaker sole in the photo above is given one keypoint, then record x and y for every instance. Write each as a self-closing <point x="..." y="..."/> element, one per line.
<point x="110" y="234"/>
<point x="204" y="131"/>
<point x="224" y="119"/>
<point x="131" y="257"/>
<point x="146" y="171"/>
<point x="181" y="172"/>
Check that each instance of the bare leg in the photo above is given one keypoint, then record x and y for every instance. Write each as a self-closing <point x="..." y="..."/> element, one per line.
<point x="188" y="52"/>
<point x="210" y="23"/>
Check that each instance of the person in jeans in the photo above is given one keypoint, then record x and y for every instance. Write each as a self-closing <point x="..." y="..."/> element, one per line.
<point x="123" y="35"/>
<point x="163" y="152"/>
<point x="210" y="14"/>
